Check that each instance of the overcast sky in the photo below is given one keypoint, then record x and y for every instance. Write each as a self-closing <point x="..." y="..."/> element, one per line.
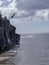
<point x="31" y="16"/>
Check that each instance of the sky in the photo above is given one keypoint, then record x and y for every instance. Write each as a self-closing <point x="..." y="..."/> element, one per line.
<point x="31" y="16"/>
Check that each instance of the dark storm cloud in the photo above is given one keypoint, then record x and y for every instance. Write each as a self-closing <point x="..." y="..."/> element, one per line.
<point x="32" y="4"/>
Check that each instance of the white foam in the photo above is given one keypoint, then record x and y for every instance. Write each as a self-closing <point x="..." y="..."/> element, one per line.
<point x="4" y="58"/>
<point x="27" y="36"/>
<point x="12" y="51"/>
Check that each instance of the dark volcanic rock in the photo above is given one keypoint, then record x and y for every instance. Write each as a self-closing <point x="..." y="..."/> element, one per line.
<point x="8" y="37"/>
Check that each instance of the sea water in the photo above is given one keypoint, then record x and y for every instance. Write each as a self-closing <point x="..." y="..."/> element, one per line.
<point x="33" y="50"/>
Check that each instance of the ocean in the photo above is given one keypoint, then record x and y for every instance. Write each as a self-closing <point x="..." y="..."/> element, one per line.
<point x="33" y="50"/>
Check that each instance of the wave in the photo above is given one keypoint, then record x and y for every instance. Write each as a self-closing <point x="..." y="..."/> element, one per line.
<point x="27" y="36"/>
<point x="12" y="51"/>
<point x="4" y="58"/>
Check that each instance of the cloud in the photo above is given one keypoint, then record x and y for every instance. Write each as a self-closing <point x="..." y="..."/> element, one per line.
<point x="7" y="11"/>
<point x="27" y="4"/>
<point x="39" y="15"/>
<point x="13" y="4"/>
<point x="25" y="16"/>
<point x="26" y="10"/>
<point x="1" y="2"/>
<point x="9" y="0"/>
<point x="5" y="3"/>
<point x="32" y="4"/>
<point x="42" y="15"/>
